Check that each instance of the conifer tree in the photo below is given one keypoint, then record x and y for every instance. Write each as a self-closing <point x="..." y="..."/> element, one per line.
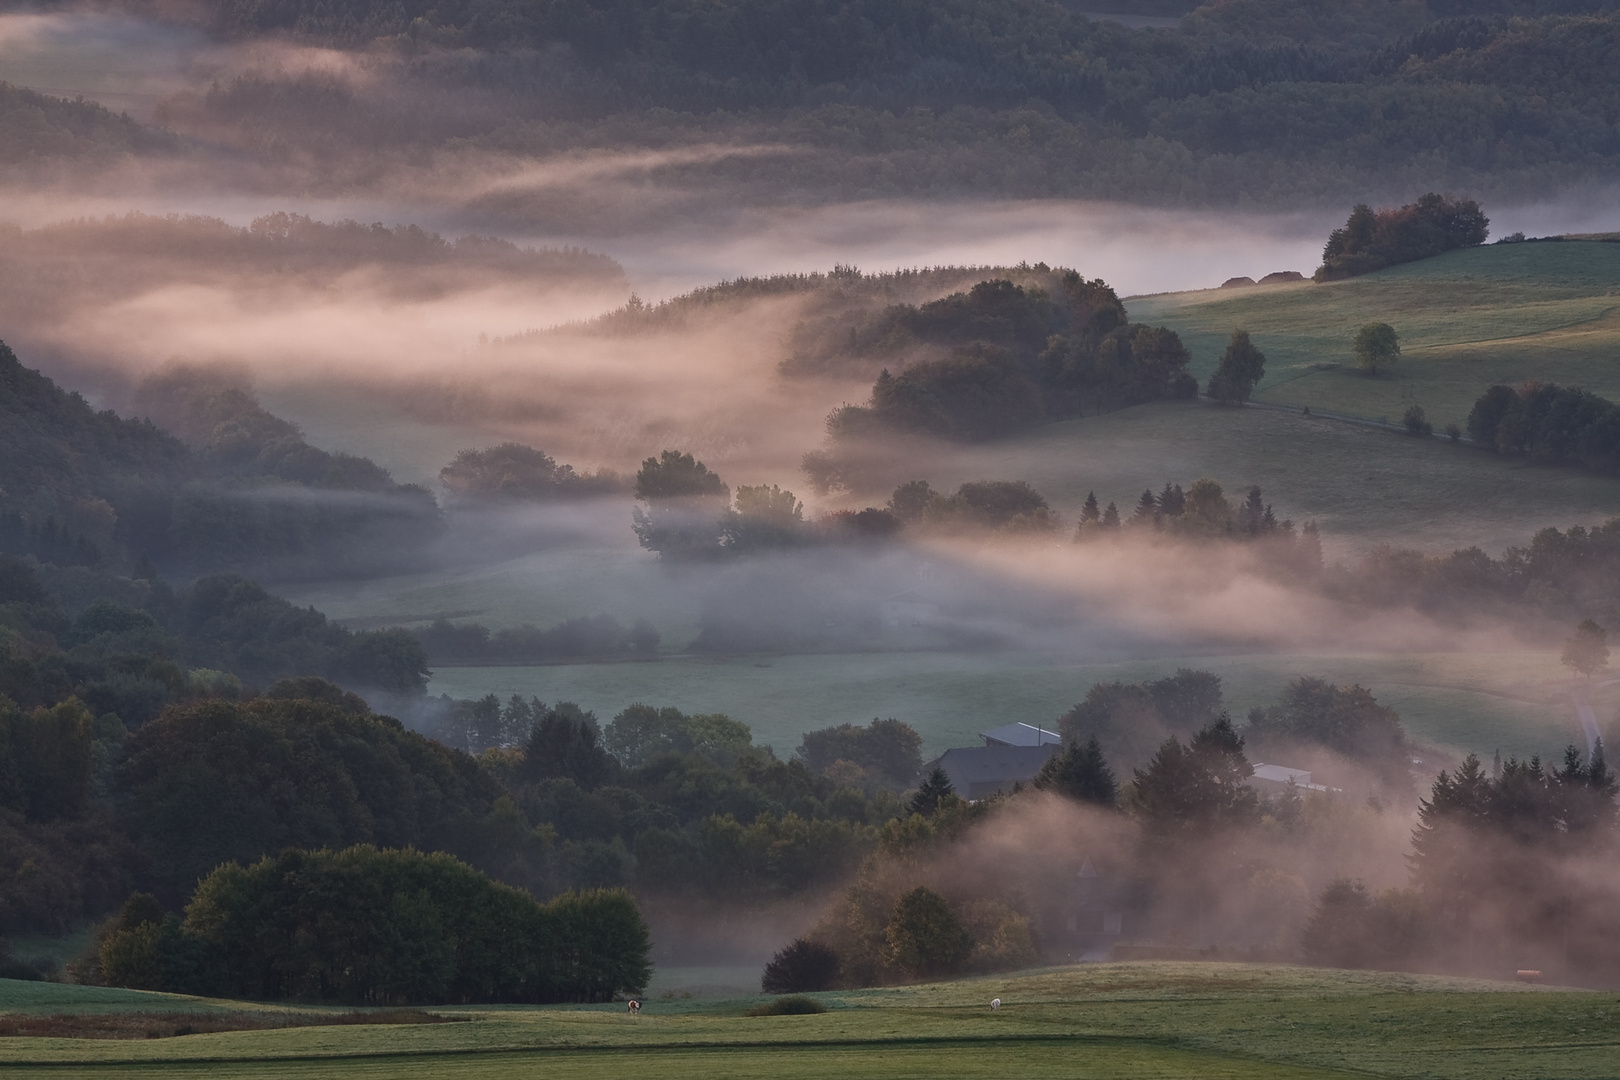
<point x="1110" y="517"/>
<point x="1080" y="772"/>
<point x="936" y="787"/>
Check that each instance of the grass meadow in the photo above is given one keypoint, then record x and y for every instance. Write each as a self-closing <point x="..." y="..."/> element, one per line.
<point x="1158" y="1020"/>
<point x="1496" y="314"/>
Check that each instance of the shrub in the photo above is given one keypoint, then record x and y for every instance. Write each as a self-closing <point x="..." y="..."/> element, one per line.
<point x="795" y="1005"/>
<point x="799" y="967"/>
<point x="1417" y="422"/>
<point x="383" y="927"/>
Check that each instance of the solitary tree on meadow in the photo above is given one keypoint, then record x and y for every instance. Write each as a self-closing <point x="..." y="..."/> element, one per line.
<point x="1377" y="346"/>
<point x="1240" y="369"/>
<point x="1587" y="650"/>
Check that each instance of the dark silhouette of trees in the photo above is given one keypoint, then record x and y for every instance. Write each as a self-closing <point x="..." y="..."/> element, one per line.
<point x="935" y="789"/>
<point x="684" y="501"/>
<point x="886" y="751"/>
<point x="1586" y="651"/>
<point x="1080" y="772"/>
<point x="1431" y="226"/>
<point x="1198" y="787"/>
<point x="512" y="471"/>
<point x="799" y="967"/>
<point x="383" y="927"/>
<point x="1240" y="368"/>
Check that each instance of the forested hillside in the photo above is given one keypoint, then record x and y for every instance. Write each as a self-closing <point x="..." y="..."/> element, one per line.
<point x="82" y="487"/>
<point x="1240" y="101"/>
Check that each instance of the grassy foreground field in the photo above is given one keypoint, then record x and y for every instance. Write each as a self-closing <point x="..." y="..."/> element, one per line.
<point x="1501" y="313"/>
<point x="1114" y="1020"/>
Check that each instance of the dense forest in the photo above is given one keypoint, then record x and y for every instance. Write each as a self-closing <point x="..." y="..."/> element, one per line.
<point x="244" y="492"/>
<point x="1304" y="100"/>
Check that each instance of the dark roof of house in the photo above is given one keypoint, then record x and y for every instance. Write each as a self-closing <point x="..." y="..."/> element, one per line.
<point x="977" y="771"/>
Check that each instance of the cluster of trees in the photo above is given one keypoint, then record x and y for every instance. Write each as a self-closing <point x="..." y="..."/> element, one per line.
<point x="36" y="128"/>
<point x="1503" y="877"/>
<point x="512" y="472"/>
<point x="79" y="486"/>
<point x="1202" y="511"/>
<point x="1558" y="579"/>
<point x="121" y="254"/>
<point x="687" y="513"/>
<point x="1372" y="240"/>
<point x="1549" y="423"/>
<point x="378" y="927"/>
<point x="1015" y="356"/>
<point x="445" y="642"/>
<point x="1131" y="721"/>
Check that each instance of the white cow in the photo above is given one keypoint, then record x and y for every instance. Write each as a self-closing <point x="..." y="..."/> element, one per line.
<point x="995" y="1003"/>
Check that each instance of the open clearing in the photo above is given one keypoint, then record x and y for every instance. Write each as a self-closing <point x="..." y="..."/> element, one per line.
<point x="1111" y="1020"/>
<point x="1503" y="313"/>
<point x="1515" y="702"/>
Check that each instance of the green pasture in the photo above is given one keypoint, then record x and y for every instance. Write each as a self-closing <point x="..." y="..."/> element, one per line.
<point x="1157" y="1020"/>
<point x="1517" y="703"/>
<point x="1363" y="486"/>
<point x="1500" y="313"/>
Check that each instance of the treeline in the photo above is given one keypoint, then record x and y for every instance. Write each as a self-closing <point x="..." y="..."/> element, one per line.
<point x="124" y="252"/>
<point x="512" y="472"/>
<point x="1504" y="875"/>
<point x="378" y="928"/>
<point x="1013" y="357"/>
<point x="1243" y="103"/>
<point x="1550" y="424"/>
<point x="592" y="635"/>
<point x="36" y="129"/>
<point x="247" y="493"/>
<point x="1372" y="240"/>
<point x="1561" y="576"/>
<point x="1188" y="856"/>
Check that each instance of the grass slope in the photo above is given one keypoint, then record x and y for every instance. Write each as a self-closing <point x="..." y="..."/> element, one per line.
<point x="1500" y="313"/>
<point x="1117" y="1020"/>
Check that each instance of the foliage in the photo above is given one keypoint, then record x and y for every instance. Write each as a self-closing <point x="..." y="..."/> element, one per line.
<point x="585" y="635"/>
<point x="512" y="471"/>
<point x="1376" y="346"/>
<point x="1015" y="356"/>
<point x="1549" y="424"/>
<point x="1351" y="929"/>
<point x="78" y="486"/>
<point x="1080" y="772"/>
<point x="800" y="966"/>
<point x="387" y="927"/>
<point x="884" y="752"/>
<point x="641" y="734"/>
<point x="932" y="794"/>
<point x="924" y="936"/>
<point x="1197" y="788"/>
<point x="1130" y="720"/>
<point x="218" y="781"/>
<point x="684" y="501"/>
<point x="1241" y="367"/>
<point x="793" y="1005"/>
<point x="1492" y="859"/>
<point x="1587" y="650"/>
<point x="1416" y="422"/>
<point x="1371" y="241"/>
<point x="1346" y="719"/>
<point x="45" y="760"/>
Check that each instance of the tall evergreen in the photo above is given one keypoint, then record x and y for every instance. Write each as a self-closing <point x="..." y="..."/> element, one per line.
<point x="936" y="787"/>
<point x="1080" y="772"/>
